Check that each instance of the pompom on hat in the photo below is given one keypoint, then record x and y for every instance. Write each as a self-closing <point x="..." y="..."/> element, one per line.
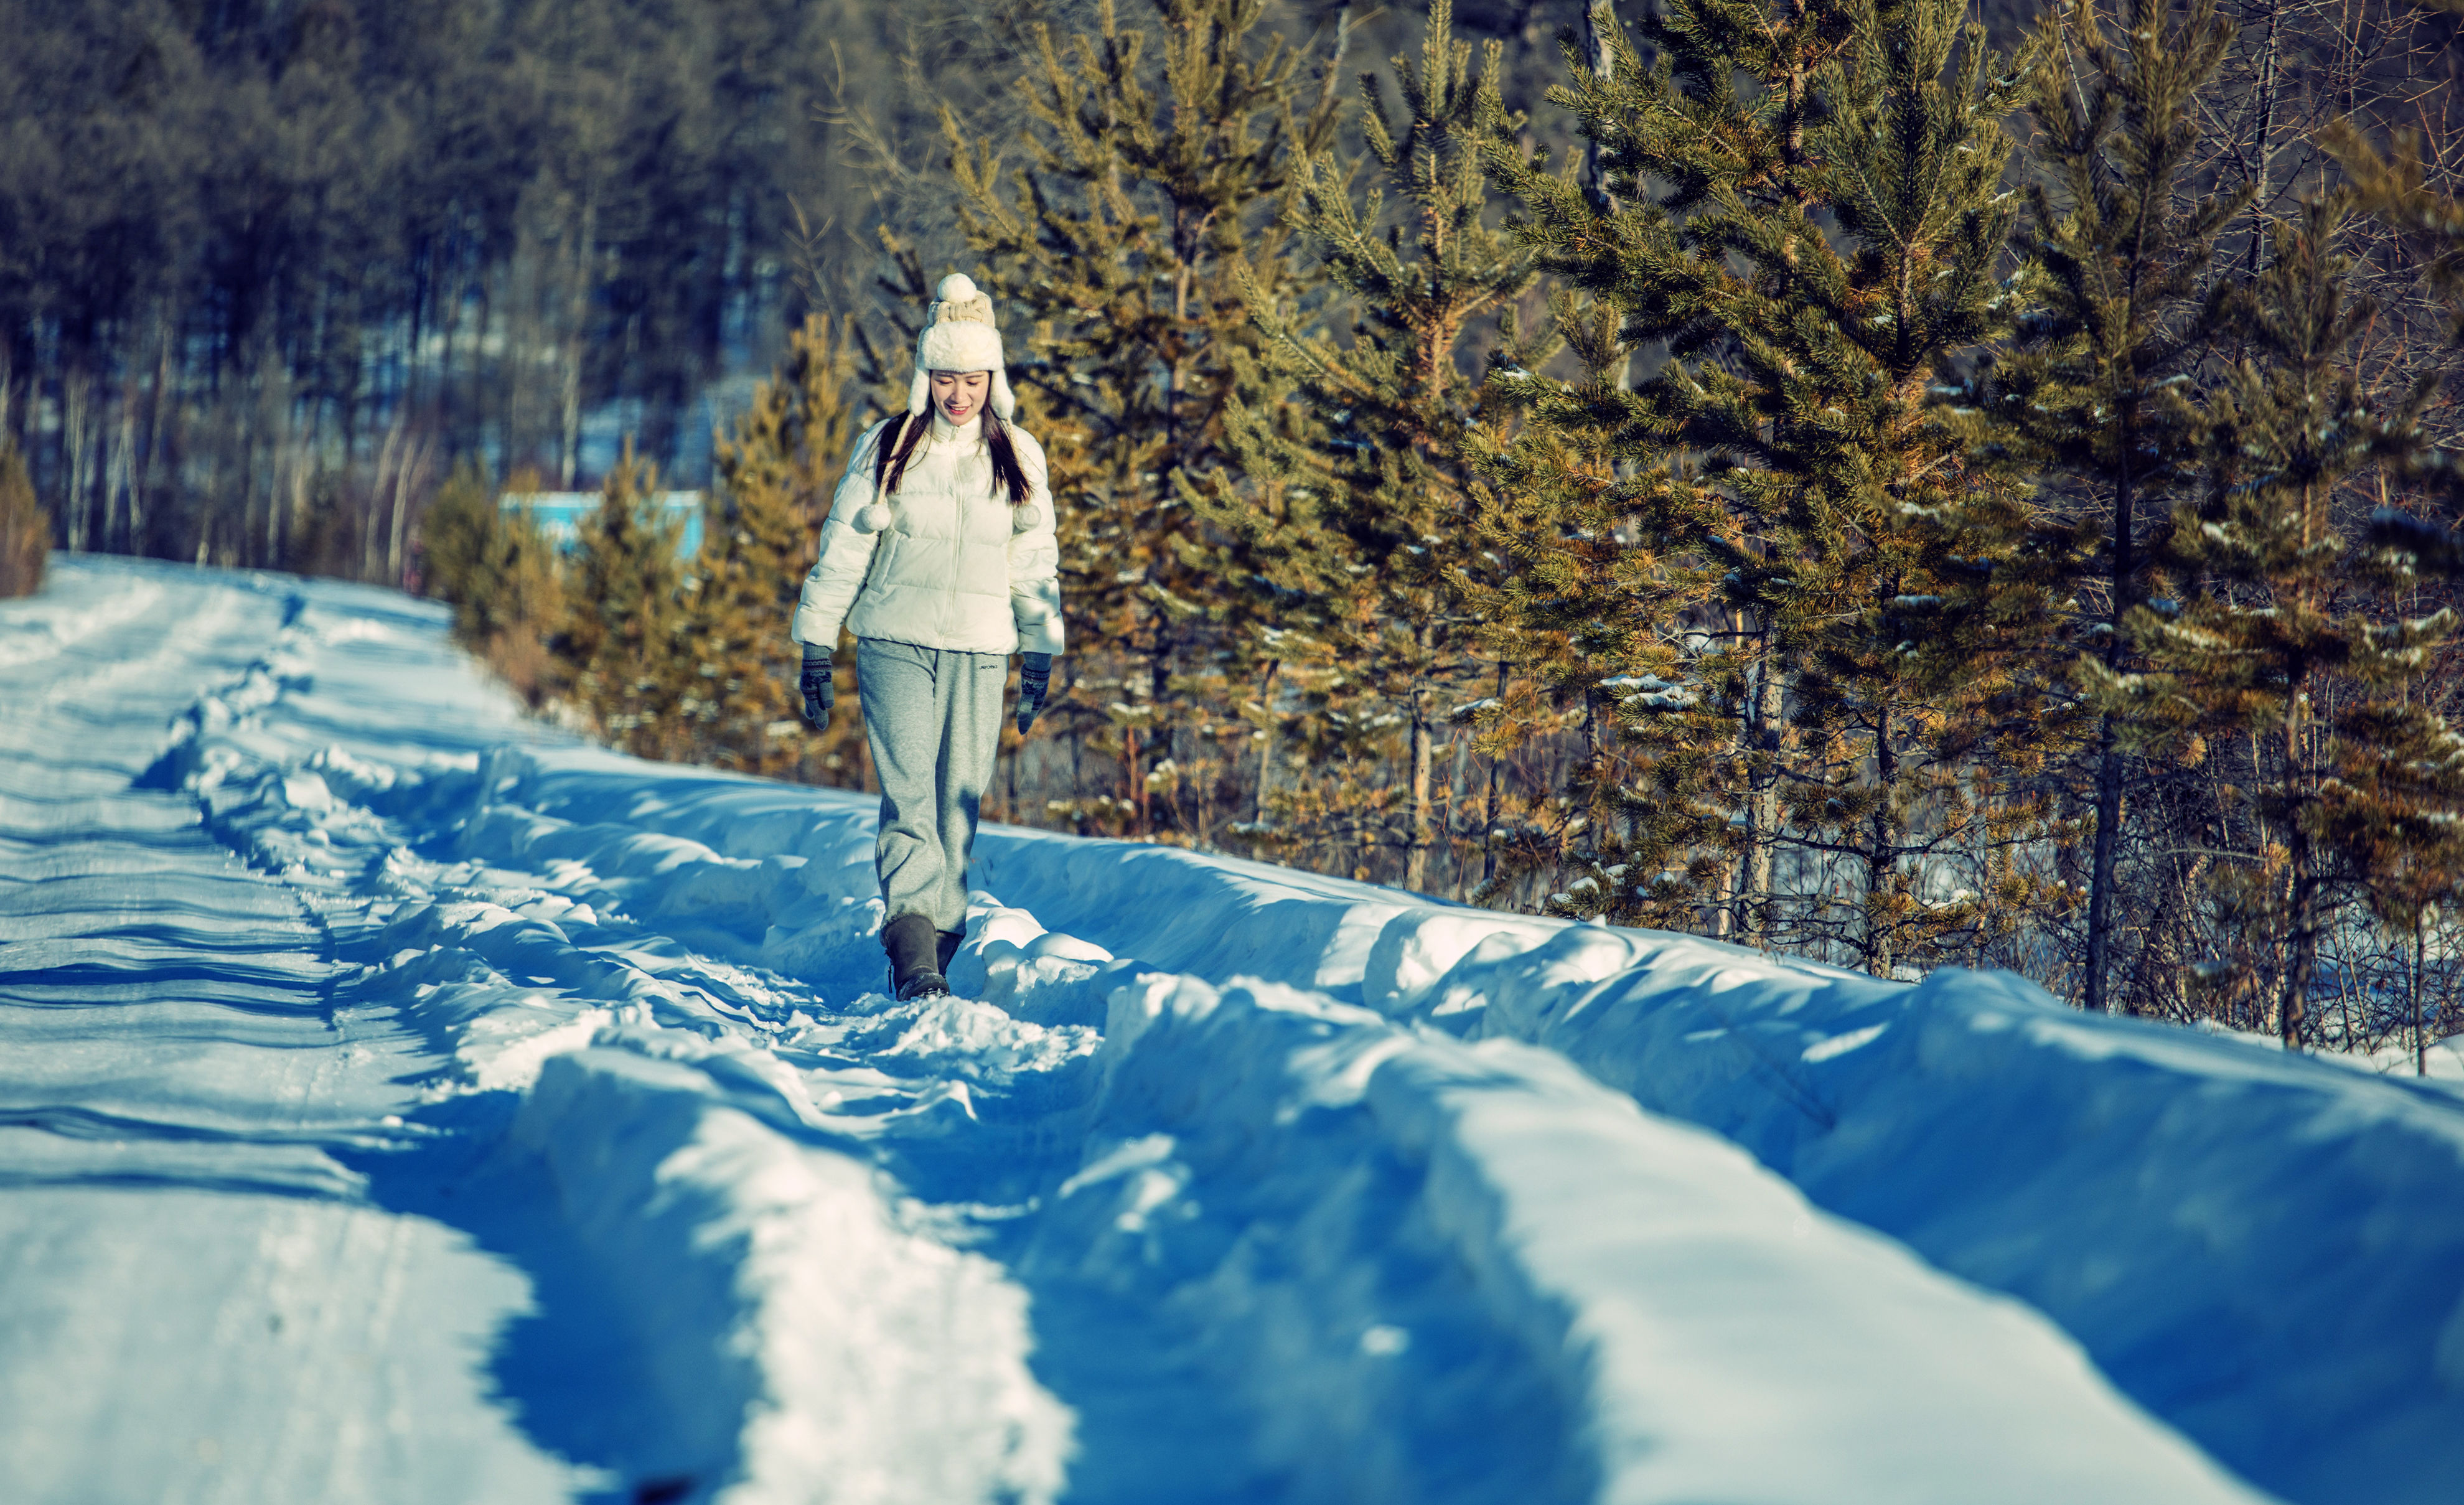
<point x="960" y="334"/>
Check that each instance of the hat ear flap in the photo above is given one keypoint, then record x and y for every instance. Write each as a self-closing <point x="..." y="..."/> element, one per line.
<point x="1004" y="401"/>
<point x="919" y="392"/>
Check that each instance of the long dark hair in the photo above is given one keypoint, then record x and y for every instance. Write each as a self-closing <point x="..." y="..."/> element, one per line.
<point x="898" y="446"/>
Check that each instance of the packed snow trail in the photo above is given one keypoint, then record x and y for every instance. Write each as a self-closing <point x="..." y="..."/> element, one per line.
<point x="620" y="1180"/>
<point x="202" y="1301"/>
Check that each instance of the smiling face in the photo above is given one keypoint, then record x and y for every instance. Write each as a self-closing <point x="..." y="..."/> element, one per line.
<point x="959" y="395"/>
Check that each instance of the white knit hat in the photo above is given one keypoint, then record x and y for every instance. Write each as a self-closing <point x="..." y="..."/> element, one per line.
<point x="959" y="335"/>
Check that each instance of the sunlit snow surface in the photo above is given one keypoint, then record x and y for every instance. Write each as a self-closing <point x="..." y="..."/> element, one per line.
<point x="401" y="1103"/>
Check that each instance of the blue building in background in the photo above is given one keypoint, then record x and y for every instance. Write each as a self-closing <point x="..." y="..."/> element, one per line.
<point x="560" y="514"/>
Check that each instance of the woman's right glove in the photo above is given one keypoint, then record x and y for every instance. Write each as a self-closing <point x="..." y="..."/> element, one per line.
<point x="820" y="693"/>
<point x="1034" y="679"/>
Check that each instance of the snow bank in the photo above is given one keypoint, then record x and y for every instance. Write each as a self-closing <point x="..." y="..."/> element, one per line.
<point x="1295" y="1183"/>
<point x="2267" y="1252"/>
<point x="1377" y="1221"/>
<point x="1385" y="1250"/>
<point x="792" y="1321"/>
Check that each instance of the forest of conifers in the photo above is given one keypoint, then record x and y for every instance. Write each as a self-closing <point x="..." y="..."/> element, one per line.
<point x="1862" y="478"/>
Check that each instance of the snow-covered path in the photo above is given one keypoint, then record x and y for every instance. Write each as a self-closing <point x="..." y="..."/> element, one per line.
<point x="401" y="1103"/>
<point x="202" y="1301"/>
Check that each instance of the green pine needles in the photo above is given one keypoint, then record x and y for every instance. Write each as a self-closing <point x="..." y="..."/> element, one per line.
<point x="1803" y="214"/>
<point x="1149" y="209"/>
<point x="2097" y="394"/>
<point x="1362" y="572"/>
<point x="2263" y="635"/>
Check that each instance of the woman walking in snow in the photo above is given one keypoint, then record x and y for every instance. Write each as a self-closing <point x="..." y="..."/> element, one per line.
<point x="939" y="555"/>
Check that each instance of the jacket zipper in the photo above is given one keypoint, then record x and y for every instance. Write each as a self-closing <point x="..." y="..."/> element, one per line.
<point x="957" y="550"/>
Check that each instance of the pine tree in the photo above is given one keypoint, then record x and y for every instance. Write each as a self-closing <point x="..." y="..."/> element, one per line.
<point x="1382" y="531"/>
<point x="502" y="576"/>
<point x="2099" y="394"/>
<point x="1803" y="204"/>
<point x="626" y="640"/>
<point x="1680" y="160"/>
<point x="1317" y="794"/>
<point x="1912" y="652"/>
<point x="2358" y="779"/>
<point x="1123" y="242"/>
<point x="2412" y="855"/>
<point x="774" y="476"/>
<point x="1585" y="504"/>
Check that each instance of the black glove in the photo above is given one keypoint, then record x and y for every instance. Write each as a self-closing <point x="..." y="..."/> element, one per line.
<point x="1034" y="678"/>
<point x="820" y="693"/>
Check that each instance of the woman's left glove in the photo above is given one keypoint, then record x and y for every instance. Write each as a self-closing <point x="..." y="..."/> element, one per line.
<point x="820" y="693"/>
<point x="1034" y="679"/>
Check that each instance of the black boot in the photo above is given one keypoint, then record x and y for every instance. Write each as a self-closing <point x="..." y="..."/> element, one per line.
<point x="912" y="945"/>
<point x="945" y="945"/>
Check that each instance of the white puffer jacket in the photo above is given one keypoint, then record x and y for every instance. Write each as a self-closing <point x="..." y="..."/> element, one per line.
<point x="956" y="567"/>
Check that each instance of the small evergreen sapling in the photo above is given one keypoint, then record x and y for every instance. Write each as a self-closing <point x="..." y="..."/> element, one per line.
<point x="1585" y="503"/>
<point x="503" y="577"/>
<point x="627" y="636"/>
<point x="774" y="475"/>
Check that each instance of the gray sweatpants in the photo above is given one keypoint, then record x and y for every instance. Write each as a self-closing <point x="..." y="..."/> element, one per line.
<point x="932" y="717"/>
